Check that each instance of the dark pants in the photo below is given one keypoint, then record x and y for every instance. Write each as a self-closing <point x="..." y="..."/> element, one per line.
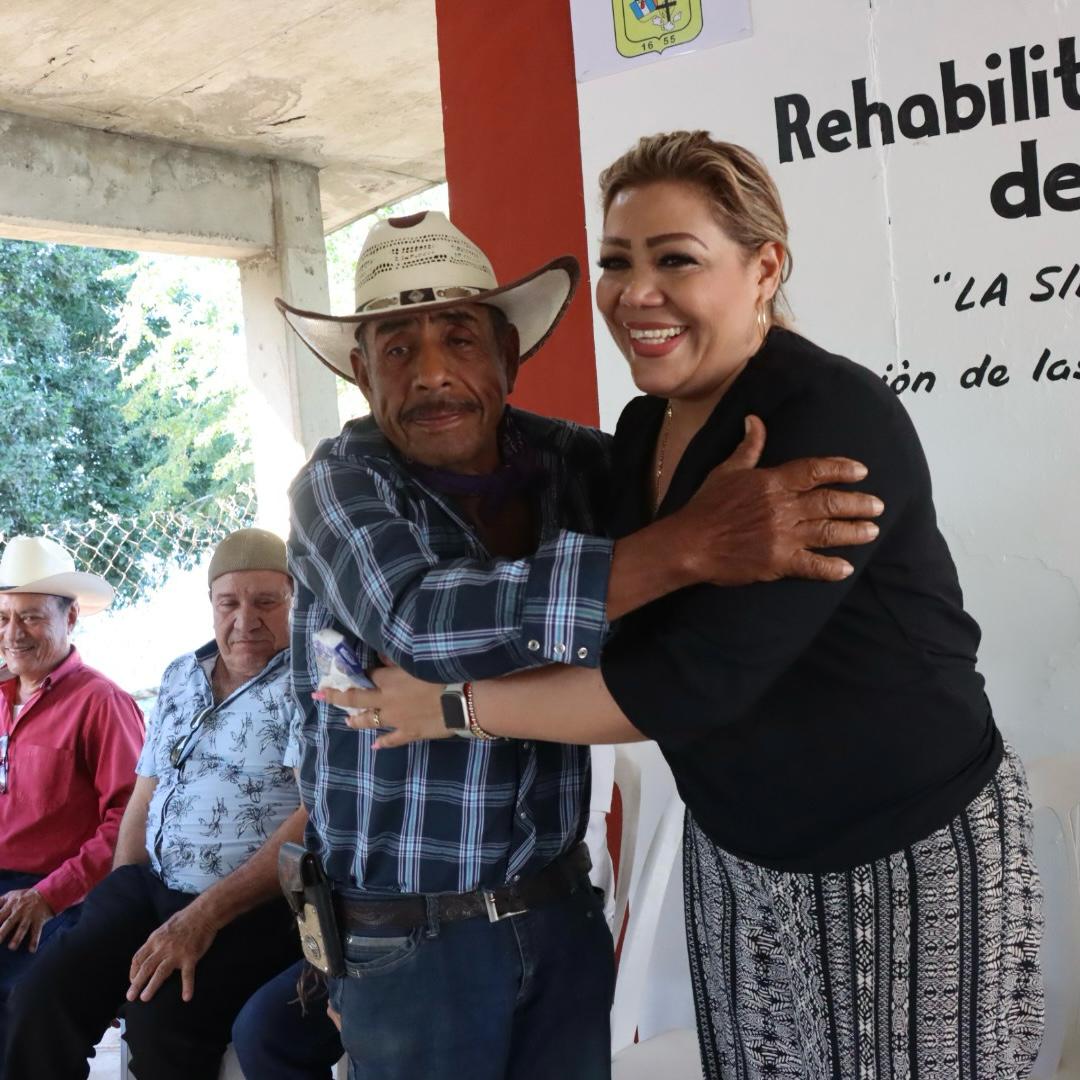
<point x="277" y="1038"/>
<point x="69" y="997"/>
<point x="526" y="998"/>
<point x="15" y="962"/>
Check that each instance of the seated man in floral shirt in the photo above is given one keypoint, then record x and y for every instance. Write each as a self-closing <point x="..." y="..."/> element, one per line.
<point x="191" y="921"/>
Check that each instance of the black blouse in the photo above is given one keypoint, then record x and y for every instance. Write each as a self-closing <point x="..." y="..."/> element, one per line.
<point x="810" y="726"/>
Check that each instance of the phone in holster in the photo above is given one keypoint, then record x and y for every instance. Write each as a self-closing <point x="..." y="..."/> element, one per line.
<point x="307" y="890"/>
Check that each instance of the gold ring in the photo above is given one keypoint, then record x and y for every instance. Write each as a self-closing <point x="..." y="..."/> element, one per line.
<point x="375" y="721"/>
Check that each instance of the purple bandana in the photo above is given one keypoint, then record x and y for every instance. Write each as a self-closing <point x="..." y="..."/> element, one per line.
<point x="520" y="473"/>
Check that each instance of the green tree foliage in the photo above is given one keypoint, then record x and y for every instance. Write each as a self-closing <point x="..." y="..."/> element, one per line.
<point x="107" y="413"/>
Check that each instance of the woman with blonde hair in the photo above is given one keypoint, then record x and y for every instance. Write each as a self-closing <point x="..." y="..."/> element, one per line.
<point x="861" y="896"/>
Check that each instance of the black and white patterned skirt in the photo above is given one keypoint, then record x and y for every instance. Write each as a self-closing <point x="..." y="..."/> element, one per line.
<point x="922" y="965"/>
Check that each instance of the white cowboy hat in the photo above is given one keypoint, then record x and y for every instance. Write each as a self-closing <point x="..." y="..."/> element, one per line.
<point x="423" y="263"/>
<point x="36" y="564"/>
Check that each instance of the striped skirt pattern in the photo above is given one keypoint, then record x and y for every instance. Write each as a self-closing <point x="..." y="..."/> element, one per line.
<point x="920" y="966"/>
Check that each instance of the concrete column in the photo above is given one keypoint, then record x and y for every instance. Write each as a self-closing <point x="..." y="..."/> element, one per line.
<point x="294" y="395"/>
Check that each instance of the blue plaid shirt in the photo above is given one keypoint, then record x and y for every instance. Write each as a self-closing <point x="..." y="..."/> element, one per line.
<point x="396" y="568"/>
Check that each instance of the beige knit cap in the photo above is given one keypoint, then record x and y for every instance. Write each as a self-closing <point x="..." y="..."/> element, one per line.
<point x="248" y="549"/>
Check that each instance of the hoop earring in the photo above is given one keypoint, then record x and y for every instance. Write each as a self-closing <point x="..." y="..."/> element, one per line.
<point x="762" y="321"/>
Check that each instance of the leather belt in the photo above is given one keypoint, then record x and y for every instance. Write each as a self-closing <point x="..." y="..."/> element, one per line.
<point x="558" y="879"/>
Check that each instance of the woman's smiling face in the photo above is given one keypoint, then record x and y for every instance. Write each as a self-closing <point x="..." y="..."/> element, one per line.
<point x="679" y="296"/>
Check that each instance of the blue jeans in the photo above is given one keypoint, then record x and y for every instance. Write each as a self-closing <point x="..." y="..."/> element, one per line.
<point x="526" y="998"/>
<point x="14" y="962"/>
<point x="277" y="1039"/>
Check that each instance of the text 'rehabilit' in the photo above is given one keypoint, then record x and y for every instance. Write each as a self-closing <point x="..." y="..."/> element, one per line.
<point x="1021" y="87"/>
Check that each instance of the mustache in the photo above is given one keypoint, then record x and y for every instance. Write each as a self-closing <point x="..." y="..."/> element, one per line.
<point x="438" y="407"/>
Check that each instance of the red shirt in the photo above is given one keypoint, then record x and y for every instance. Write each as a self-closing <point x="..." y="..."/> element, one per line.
<point x="71" y="768"/>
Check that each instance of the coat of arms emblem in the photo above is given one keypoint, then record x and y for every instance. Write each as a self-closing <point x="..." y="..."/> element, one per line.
<point x="645" y="26"/>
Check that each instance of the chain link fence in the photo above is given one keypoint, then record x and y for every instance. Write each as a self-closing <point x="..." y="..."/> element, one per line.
<point x="137" y="555"/>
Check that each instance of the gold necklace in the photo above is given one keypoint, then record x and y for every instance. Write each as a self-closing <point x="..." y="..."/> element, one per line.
<point x="665" y="430"/>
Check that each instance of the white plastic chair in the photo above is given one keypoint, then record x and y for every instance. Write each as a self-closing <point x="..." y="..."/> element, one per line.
<point x="602" y="874"/>
<point x="1055" y="793"/>
<point x="628" y="785"/>
<point x="230" y="1066"/>
<point x="672" y="1054"/>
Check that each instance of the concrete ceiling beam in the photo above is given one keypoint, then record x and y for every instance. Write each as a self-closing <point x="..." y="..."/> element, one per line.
<point x="68" y="184"/>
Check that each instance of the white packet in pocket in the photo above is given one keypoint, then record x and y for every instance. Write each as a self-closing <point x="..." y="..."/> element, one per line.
<point x="339" y="667"/>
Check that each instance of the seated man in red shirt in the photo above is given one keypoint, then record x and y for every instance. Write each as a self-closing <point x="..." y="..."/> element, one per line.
<point x="69" y="739"/>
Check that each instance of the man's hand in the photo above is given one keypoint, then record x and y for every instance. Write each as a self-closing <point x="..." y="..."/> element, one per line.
<point x="746" y="524"/>
<point x="179" y="943"/>
<point x="23" y="912"/>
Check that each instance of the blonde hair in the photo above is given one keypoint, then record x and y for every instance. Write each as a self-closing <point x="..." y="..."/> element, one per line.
<point x="741" y="193"/>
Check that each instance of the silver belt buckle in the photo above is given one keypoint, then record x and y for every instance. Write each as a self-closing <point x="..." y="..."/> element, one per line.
<point x="493" y="913"/>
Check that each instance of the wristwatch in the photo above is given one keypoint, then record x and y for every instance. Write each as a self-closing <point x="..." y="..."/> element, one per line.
<point x="455" y="709"/>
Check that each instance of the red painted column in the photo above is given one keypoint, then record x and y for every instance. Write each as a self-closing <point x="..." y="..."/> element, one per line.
<point x="513" y="164"/>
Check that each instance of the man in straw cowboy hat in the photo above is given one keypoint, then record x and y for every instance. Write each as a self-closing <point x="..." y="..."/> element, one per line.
<point x="461" y="538"/>
<point x="69" y="738"/>
<point x="191" y="921"/>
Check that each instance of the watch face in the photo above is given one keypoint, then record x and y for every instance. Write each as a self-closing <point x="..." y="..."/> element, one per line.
<point x="454" y="710"/>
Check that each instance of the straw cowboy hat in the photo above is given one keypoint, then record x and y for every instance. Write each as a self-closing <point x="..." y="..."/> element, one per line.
<point x="36" y="564"/>
<point x="424" y="263"/>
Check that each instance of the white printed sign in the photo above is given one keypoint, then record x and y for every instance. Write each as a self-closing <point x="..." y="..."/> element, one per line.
<point x="928" y="160"/>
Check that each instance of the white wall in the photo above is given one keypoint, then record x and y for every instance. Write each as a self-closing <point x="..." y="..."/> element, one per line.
<point x="869" y="230"/>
